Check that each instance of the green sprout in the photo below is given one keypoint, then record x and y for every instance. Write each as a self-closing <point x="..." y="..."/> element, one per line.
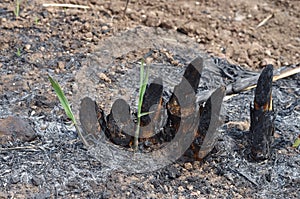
<point x="142" y="88"/>
<point x="36" y="20"/>
<point x="65" y="104"/>
<point x="297" y="142"/>
<point x="18" y="53"/>
<point x="17" y="8"/>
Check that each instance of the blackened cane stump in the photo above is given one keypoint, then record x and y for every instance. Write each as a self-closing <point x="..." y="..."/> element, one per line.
<point x="262" y="117"/>
<point x="191" y="77"/>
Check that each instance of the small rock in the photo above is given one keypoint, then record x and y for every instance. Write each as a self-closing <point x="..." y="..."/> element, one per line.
<point x="189" y="187"/>
<point x="15" y="128"/>
<point x="87" y="26"/>
<point x="240" y="125"/>
<point x="188" y="166"/>
<point x="277" y="135"/>
<point x="3" y="195"/>
<point x="43" y="194"/>
<point x="36" y="181"/>
<point x="172" y="172"/>
<point x="166" y="188"/>
<point x="104" y="28"/>
<point x="67" y="44"/>
<point x="15" y="179"/>
<point x="266" y="61"/>
<point x="239" y="17"/>
<point x="61" y="65"/>
<point x="27" y="47"/>
<point x="104" y="77"/>
<point x="152" y="19"/>
<point x="180" y="189"/>
<point x="123" y="188"/>
<point x="89" y="36"/>
<point x="168" y="24"/>
<point x="101" y="85"/>
<point x="268" y="52"/>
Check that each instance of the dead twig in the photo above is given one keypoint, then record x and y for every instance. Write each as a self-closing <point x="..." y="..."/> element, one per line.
<point x="263" y="22"/>
<point x="34" y="148"/>
<point x="284" y="74"/>
<point x="127" y="1"/>
<point x="245" y="176"/>
<point x="65" y="5"/>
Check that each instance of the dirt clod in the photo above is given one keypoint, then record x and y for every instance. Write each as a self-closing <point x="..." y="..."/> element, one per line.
<point x="15" y="128"/>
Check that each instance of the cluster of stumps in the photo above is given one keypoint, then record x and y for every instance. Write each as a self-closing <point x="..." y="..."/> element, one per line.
<point x="167" y="113"/>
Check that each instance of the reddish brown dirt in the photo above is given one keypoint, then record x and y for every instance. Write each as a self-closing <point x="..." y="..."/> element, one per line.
<point x="226" y="29"/>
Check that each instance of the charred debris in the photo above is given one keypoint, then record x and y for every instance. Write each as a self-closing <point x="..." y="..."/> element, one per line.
<point x="165" y="115"/>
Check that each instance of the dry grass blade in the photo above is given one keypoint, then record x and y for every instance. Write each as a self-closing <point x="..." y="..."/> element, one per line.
<point x="127" y="1"/>
<point x="284" y="74"/>
<point x="263" y="22"/>
<point x="287" y="73"/>
<point x="65" y="5"/>
<point x="20" y="148"/>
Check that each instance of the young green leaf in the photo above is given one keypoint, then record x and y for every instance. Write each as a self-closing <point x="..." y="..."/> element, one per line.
<point x="17" y="8"/>
<point x="142" y="89"/>
<point x="18" y="53"/>
<point x="146" y="113"/>
<point x="63" y="100"/>
<point x="297" y="142"/>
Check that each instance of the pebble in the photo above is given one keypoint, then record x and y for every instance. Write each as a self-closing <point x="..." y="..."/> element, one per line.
<point x="166" y="188"/>
<point x="89" y="36"/>
<point x="104" y="77"/>
<point x="268" y="52"/>
<point x="195" y="193"/>
<point x="266" y="61"/>
<point x="27" y="47"/>
<point x="36" y="181"/>
<point x="15" y="179"/>
<point x="87" y="26"/>
<point x="43" y="194"/>
<point x="61" y="65"/>
<point x="190" y="187"/>
<point x="188" y="166"/>
<point x="180" y="189"/>
<point x="102" y="85"/>
<point x="104" y="28"/>
<point x="44" y="126"/>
